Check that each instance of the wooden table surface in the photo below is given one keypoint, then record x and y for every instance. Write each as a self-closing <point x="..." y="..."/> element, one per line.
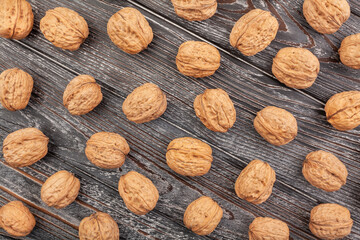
<point x="250" y="84"/>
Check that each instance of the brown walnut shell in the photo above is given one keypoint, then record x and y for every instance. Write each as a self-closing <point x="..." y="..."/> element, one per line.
<point x="254" y="31"/>
<point x="15" y="89"/>
<point x="107" y="150"/>
<point x="64" y="28"/>
<point x="195" y="10"/>
<point x="276" y="125"/>
<point x="255" y="182"/>
<point x="16" y="219"/>
<point x="326" y="16"/>
<point x="99" y="226"/>
<point x="350" y="51"/>
<point x="138" y="192"/>
<point x="264" y="228"/>
<point x="343" y="110"/>
<point x="60" y="189"/>
<point x="330" y="221"/>
<point x="17" y="19"/>
<point x="145" y="103"/>
<point x="189" y="156"/>
<point x="203" y="215"/>
<point x="296" y="67"/>
<point x="82" y="95"/>
<point x="129" y="30"/>
<point x="215" y="110"/>
<point x="25" y="147"/>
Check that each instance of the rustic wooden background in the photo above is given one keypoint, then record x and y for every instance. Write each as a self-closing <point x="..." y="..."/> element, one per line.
<point x="249" y="82"/>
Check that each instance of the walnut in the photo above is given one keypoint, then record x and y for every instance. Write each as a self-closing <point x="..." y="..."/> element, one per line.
<point x="197" y="59"/>
<point x="350" y="51"/>
<point x="25" y="147"/>
<point x="107" y="150"/>
<point x="343" y="110"/>
<point x="296" y="67"/>
<point x="255" y="182"/>
<point x="195" y="10"/>
<point x="254" y="31"/>
<point x="98" y="226"/>
<point x="65" y="28"/>
<point x="145" y="103"/>
<point x="60" y="189"/>
<point x="326" y="16"/>
<point x="330" y="221"/>
<point x="82" y="95"/>
<point x="15" y="89"/>
<point x="138" y="192"/>
<point x="276" y="125"/>
<point x="203" y="215"/>
<point x="189" y="156"/>
<point x="264" y="228"/>
<point x="16" y="219"/>
<point x="215" y="110"/>
<point x="129" y="30"/>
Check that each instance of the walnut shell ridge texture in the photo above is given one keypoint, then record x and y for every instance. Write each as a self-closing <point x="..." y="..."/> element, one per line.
<point x="330" y="221"/>
<point x="16" y="18"/>
<point x="215" y="110"/>
<point x="16" y="219"/>
<point x="25" y="147"/>
<point x="145" y="103"/>
<point x="264" y="228"/>
<point x="138" y="192"/>
<point x="82" y="95"/>
<point x="195" y="10"/>
<point x="189" y="156"/>
<point x="255" y="182"/>
<point x="15" y="89"/>
<point x="60" y="189"/>
<point x="203" y="215"/>
<point x="64" y="28"/>
<point x="98" y="226"/>
<point x="326" y="16"/>
<point x="296" y="67"/>
<point x="253" y="32"/>
<point x="129" y="30"/>
<point x="350" y="51"/>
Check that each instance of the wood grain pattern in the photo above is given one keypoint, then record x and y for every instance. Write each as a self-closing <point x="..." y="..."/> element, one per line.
<point x="248" y="81"/>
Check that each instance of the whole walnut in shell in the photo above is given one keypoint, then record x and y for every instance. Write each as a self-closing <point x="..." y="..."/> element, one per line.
<point x="203" y="215"/>
<point x="16" y="219"/>
<point x="343" y="110"/>
<point x="264" y="228"/>
<point x="65" y="28"/>
<point x="325" y="171"/>
<point x="16" y="19"/>
<point x="330" y="221"/>
<point x="296" y="67"/>
<point x="255" y="182"/>
<point x="195" y="10"/>
<point x="326" y="16"/>
<point x="98" y="226"/>
<point x="197" y="59"/>
<point x="253" y="32"/>
<point x="276" y="125"/>
<point x="25" y="147"/>
<point x="215" y="110"/>
<point x="189" y="156"/>
<point x="129" y="30"/>
<point x="107" y="150"/>
<point x="145" y="103"/>
<point x="60" y="189"/>
<point x="350" y="51"/>
<point x="15" y="89"/>
<point x="82" y="95"/>
<point x="138" y="192"/>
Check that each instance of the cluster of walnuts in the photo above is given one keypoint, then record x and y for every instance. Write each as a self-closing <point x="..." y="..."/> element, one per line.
<point x="129" y="30"/>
